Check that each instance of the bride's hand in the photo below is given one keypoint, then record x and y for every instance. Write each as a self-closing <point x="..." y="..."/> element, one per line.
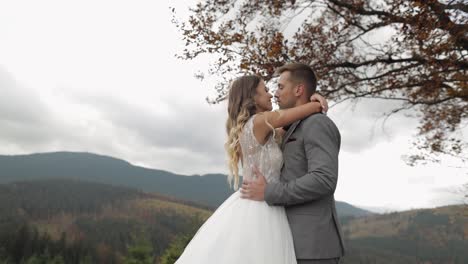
<point x="323" y="102"/>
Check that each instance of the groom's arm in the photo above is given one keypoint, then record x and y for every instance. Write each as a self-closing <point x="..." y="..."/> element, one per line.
<point x="322" y="144"/>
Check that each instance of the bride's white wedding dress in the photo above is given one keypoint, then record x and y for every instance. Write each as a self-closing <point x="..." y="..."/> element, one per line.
<point x="243" y="231"/>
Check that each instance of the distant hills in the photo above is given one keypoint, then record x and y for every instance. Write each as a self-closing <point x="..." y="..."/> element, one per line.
<point x="71" y="221"/>
<point x="210" y="190"/>
<point x="438" y="235"/>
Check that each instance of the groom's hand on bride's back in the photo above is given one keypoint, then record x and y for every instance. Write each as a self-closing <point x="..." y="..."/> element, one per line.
<point x="254" y="190"/>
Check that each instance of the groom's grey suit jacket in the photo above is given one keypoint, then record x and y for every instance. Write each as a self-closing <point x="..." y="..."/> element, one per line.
<point x="308" y="181"/>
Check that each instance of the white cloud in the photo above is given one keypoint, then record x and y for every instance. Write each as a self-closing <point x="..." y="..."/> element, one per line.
<point x="363" y="123"/>
<point x="379" y="177"/>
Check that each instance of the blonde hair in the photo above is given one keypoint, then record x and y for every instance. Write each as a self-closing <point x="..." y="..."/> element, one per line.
<point x="241" y="106"/>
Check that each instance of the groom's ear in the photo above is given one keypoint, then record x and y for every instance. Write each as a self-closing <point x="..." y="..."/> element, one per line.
<point x="299" y="90"/>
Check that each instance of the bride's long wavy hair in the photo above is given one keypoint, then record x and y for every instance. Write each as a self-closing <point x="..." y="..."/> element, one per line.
<point x="241" y="106"/>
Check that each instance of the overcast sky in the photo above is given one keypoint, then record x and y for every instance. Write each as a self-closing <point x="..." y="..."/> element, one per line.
<point x="101" y="77"/>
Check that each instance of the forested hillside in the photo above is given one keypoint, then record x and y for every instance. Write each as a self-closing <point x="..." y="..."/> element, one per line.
<point x="68" y="221"/>
<point x="438" y="235"/>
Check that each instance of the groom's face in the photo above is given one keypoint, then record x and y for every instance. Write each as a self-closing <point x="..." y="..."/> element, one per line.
<point x="285" y="96"/>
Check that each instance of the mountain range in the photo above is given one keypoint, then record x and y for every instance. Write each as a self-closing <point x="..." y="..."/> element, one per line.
<point x="209" y="190"/>
<point x="81" y="222"/>
<point x="85" y="208"/>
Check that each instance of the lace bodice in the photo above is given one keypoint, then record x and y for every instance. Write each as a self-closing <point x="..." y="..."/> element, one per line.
<point x="268" y="157"/>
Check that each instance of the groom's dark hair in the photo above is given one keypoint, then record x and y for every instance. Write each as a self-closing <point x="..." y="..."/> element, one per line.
<point x="301" y="73"/>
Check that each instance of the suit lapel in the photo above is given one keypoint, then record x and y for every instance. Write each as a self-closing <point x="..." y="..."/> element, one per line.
<point x="289" y="133"/>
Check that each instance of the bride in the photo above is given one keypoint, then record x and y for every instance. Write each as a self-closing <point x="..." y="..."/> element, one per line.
<point x="241" y="230"/>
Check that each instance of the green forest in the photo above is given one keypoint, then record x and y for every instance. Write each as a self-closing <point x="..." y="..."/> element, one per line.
<point x="67" y="221"/>
<point x="71" y="221"/>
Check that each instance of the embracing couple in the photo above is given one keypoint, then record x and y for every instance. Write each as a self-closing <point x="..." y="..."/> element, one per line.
<point x="285" y="211"/>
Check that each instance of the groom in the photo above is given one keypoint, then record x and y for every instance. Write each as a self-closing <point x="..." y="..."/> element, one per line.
<point x="309" y="174"/>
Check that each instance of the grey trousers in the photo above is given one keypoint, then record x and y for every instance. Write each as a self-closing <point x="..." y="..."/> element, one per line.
<point x="318" y="261"/>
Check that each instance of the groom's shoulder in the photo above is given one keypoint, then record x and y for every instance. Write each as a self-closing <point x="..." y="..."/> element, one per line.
<point x="319" y="120"/>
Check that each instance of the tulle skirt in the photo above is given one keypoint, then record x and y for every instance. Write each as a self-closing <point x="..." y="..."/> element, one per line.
<point x="242" y="231"/>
